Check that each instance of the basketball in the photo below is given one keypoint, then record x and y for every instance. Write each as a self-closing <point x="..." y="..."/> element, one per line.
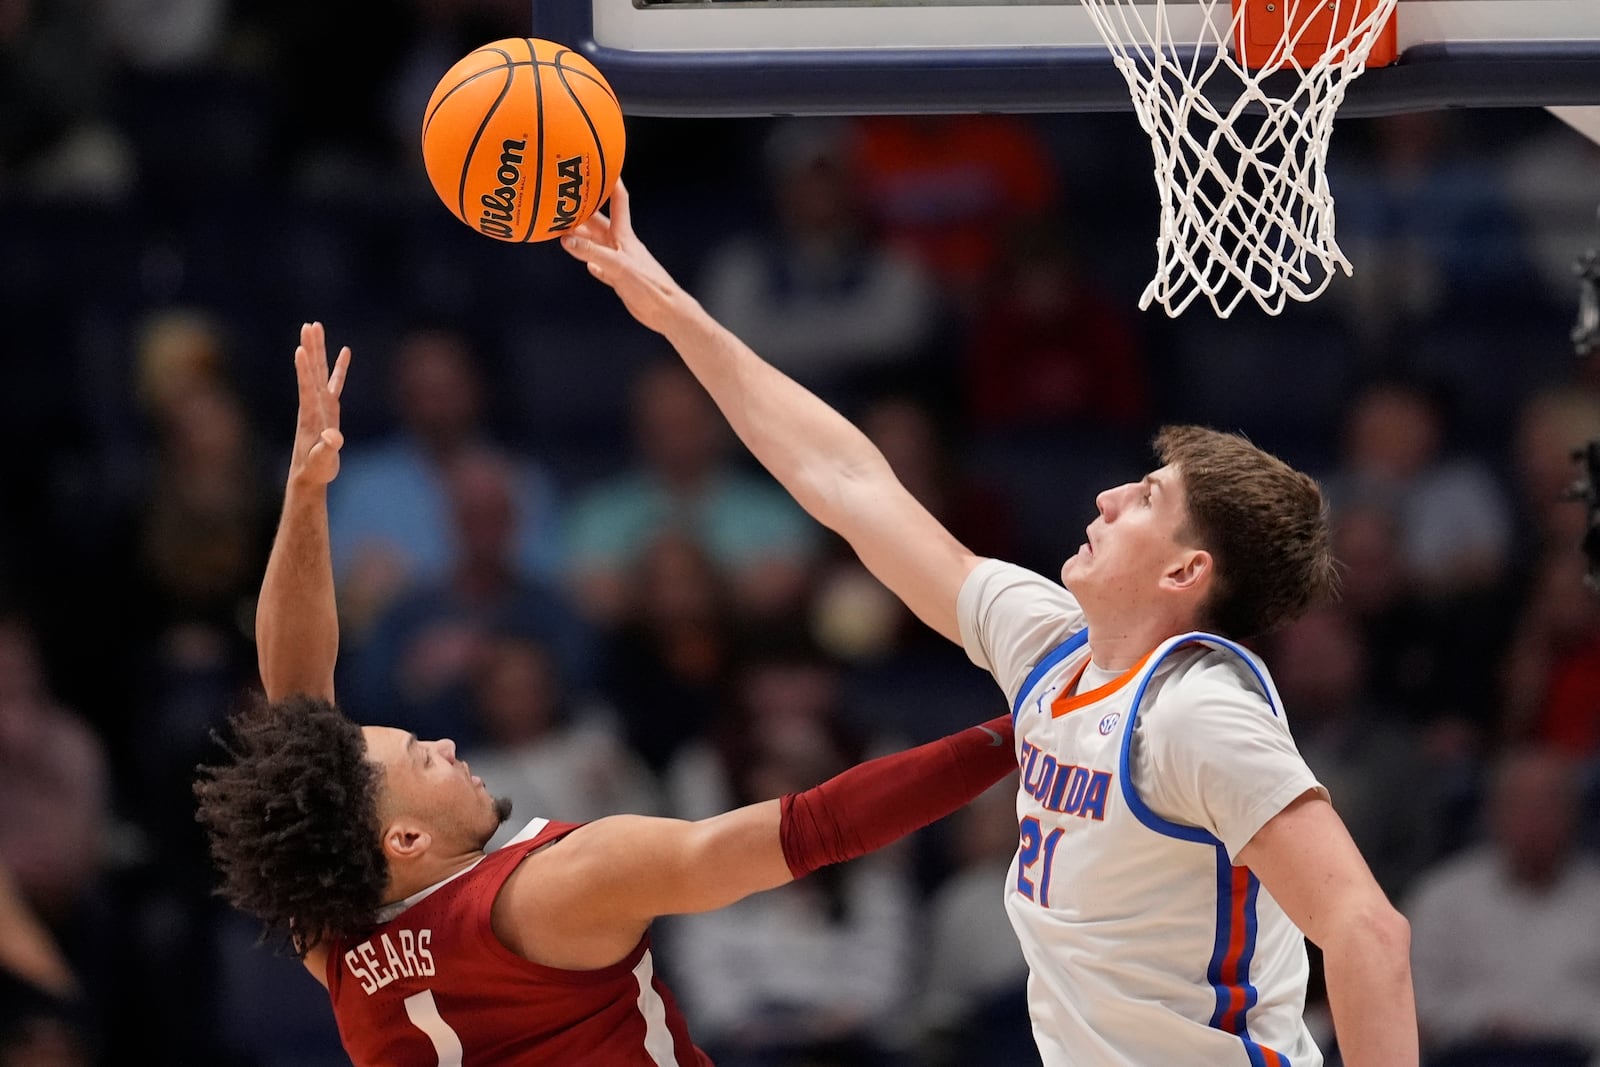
<point x="523" y="139"/>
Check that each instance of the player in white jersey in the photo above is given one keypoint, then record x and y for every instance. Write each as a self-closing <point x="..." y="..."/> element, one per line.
<point x="1145" y="944"/>
<point x="1174" y="850"/>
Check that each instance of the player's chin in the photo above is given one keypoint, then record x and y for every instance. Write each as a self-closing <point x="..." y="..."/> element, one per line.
<point x="502" y="809"/>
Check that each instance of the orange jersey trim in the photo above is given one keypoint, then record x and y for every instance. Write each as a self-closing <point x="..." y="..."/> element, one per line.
<point x="1068" y="702"/>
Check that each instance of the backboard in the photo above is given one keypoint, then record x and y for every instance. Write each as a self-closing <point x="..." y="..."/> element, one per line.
<point x="731" y="58"/>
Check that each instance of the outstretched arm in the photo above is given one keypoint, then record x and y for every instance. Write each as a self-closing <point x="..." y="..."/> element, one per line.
<point x="828" y="465"/>
<point x="602" y="885"/>
<point x="297" y="622"/>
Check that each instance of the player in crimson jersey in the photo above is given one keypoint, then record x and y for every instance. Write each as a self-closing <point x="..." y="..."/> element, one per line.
<point x="363" y="846"/>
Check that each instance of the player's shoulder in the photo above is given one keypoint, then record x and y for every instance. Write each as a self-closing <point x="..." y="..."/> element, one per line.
<point x="1216" y="661"/>
<point x="1222" y="677"/>
<point x="537" y="833"/>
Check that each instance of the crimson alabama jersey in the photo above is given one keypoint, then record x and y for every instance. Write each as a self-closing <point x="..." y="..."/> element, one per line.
<point x="432" y="986"/>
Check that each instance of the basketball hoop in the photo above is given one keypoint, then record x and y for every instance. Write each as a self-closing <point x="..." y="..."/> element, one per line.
<point x="1239" y="105"/>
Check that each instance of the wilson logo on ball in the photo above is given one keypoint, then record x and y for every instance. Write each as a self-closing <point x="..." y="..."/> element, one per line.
<point x="499" y="206"/>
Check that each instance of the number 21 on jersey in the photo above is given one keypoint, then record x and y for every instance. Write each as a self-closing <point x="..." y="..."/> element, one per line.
<point x="1036" y="849"/>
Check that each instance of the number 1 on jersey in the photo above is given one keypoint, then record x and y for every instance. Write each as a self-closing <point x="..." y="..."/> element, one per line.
<point x="424" y="1015"/>
<point x="1033" y="842"/>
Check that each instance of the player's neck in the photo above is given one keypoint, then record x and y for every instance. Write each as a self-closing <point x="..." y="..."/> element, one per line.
<point x="1118" y="641"/>
<point x="425" y="873"/>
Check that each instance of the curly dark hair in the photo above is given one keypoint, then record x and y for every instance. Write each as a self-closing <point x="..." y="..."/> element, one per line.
<point x="292" y="819"/>
<point x="1264" y="522"/>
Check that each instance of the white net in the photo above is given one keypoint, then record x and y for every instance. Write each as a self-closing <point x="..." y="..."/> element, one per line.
<point x="1240" y="151"/>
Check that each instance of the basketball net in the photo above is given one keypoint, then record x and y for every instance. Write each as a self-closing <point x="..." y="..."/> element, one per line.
<point x="1239" y="106"/>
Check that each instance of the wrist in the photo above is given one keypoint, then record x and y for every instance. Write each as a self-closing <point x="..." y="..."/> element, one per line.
<point x="303" y="485"/>
<point x="688" y="322"/>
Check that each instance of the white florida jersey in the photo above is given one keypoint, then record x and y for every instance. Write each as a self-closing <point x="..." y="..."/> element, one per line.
<point x="1146" y="946"/>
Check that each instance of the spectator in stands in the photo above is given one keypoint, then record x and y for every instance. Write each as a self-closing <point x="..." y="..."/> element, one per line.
<point x="683" y="479"/>
<point x="204" y="523"/>
<point x="1431" y="224"/>
<point x="953" y="189"/>
<point x="54" y="785"/>
<point x="1381" y="781"/>
<point x="55" y="825"/>
<point x="668" y="658"/>
<point x="390" y="508"/>
<point x="179" y="579"/>
<point x="1453" y="519"/>
<point x="417" y="663"/>
<point x="1047" y="347"/>
<point x="815" y="289"/>
<point x="783" y="693"/>
<point x="813" y="972"/>
<point x="190" y="541"/>
<point x="860" y="624"/>
<point x="1408" y="642"/>
<point x="1552" y="426"/>
<point x="1552" y="178"/>
<point x="1551" y="681"/>
<point x="974" y="1003"/>
<point x="1506" y="937"/>
<point x="555" y="753"/>
<point x="902" y="678"/>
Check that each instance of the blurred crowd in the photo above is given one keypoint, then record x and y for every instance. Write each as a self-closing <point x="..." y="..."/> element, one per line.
<point x="548" y="547"/>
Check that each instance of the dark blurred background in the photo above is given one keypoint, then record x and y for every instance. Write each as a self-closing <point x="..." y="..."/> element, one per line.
<point x="548" y="548"/>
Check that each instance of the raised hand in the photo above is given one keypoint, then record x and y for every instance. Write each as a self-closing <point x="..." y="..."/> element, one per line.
<point x="617" y="257"/>
<point x="317" y="439"/>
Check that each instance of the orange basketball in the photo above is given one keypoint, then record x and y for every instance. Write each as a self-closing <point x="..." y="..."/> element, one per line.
<point x="523" y="139"/>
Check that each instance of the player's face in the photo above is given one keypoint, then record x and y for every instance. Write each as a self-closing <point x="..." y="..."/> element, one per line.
<point x="1133" y="541"/>
<point x="425" y="777"/>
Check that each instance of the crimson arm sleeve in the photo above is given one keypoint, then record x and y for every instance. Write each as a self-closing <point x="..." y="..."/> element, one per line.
<point x="878" y="802"/>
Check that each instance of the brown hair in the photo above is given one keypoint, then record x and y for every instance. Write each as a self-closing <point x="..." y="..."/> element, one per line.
<point x="1264" y="523"/>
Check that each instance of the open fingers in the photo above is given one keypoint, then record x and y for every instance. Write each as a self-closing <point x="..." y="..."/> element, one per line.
<point x="341" y="367"/>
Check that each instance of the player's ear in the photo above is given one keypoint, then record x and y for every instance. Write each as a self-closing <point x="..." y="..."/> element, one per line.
<point x="1191" y="571"/>
<point x="405" y="838"/>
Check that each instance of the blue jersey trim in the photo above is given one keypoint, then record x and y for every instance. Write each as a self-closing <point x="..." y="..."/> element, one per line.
<point x="1226" y="895"/>
<point x="1045" y="666"/>
<point x="1219" y="948"/>
<point x="1237" y="976"/>
<point x="1140" y="809"/>
<point x="1222" y="989"/>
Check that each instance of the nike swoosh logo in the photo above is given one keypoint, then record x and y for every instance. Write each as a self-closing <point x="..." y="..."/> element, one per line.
<point x="995" y="739"/>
